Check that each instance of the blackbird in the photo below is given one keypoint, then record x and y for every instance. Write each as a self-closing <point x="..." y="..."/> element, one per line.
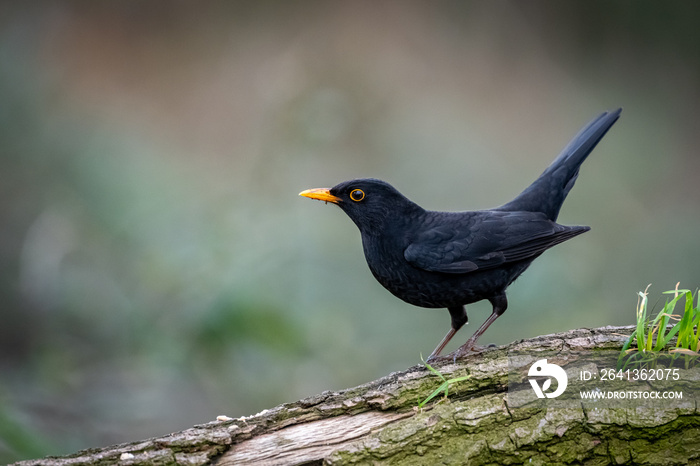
<point x="450" y="259"/>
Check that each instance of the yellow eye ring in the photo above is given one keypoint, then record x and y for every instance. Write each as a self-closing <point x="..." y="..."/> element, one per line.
<point x="357" y="195"/>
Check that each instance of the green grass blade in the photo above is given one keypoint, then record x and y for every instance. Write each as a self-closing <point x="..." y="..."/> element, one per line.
<point x="663" y="333"/>
<point x="623" y="353"/>
<point x="686" y="329"/>
<point x="668" y="309"/>
<point x="677" y="292"/>
<point x="443" y="386"/>
<point x="432" y="369"/>
<point x="696" y="323"/>
<point x="641" y="319"/>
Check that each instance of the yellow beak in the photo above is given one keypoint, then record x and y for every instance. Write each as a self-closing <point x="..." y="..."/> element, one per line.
<point x="321" y="194"/>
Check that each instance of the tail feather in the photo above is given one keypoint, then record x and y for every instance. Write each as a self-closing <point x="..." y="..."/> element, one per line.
<point x="548" y="192"/>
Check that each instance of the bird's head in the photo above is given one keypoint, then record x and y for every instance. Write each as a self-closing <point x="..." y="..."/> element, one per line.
<point x="369" y="202"/>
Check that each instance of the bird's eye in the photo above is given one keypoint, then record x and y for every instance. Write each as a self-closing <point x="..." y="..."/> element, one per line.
<point x="357" y="195"/>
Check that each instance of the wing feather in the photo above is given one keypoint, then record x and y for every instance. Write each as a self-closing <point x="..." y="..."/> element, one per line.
<point x="466" y="242"/>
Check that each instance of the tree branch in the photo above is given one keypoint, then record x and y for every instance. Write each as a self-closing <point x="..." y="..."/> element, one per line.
<point x="379" y="423"/>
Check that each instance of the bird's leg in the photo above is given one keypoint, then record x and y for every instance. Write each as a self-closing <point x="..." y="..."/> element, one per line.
<point x="459" y="317"/>
<point x="499" y="303"/>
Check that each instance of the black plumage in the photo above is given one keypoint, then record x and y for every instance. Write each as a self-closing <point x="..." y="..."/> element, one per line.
<point x="450" y="259"/>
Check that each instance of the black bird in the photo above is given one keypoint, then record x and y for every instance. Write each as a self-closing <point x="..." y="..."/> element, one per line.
<point x="450" y="259"/>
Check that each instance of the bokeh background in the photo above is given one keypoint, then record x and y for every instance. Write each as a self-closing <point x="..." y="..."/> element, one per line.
<point x="158" y="267"/>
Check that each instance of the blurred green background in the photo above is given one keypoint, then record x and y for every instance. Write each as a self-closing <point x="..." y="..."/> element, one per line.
<point x="158" y="267"/>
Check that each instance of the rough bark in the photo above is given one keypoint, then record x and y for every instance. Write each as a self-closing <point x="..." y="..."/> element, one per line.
<point x="379" y="423"/>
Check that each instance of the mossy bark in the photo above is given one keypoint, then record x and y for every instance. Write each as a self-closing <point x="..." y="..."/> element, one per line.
<point x="379" y="423"/>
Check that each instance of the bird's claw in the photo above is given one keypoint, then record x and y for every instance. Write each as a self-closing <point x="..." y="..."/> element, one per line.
<point x="435" y="358"/>
<point x="466" y="350"/>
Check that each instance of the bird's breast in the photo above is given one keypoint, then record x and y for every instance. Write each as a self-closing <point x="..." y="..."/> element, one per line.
<point x="432" y="289"/>
<point x="388" y="265"/>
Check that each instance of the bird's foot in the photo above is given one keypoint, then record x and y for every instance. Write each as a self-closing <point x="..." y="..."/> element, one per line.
<point x="466" y="350"/>
<point x="436" y="358"/>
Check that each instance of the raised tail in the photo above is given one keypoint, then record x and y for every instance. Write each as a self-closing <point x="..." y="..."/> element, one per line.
<point x="548" y="192"/>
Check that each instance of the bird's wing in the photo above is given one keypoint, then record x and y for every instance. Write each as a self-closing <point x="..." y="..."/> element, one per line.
<point x="462" y="243"/>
